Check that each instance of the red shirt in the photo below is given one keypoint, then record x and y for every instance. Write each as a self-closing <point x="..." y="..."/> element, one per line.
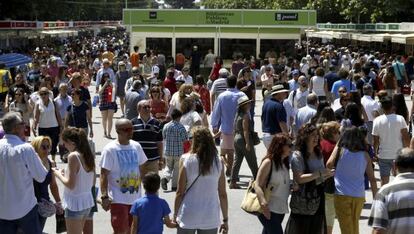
<point x="326" y="149"/>
<point x="169" y="83"/>
<point x="215" y="73"/>
<point x="159" y="109"/>
<point x="204" y="96"/>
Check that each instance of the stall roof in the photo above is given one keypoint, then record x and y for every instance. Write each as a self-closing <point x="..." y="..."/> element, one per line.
<point x="14" y="59"/>
<point x="403" y="38"/>
<point x="60" y="33"/>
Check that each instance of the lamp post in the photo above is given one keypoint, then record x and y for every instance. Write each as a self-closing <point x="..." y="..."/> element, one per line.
<point x="126" y="4"/>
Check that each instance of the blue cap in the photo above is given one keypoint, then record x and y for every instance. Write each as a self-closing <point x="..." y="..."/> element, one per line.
<point x="295" y="72"/>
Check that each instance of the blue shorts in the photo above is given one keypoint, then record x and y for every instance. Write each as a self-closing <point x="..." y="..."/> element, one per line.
<point x="385" y="166"/>
<point x="82" y="214"/>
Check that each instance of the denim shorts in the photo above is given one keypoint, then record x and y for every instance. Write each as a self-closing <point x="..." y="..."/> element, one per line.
<point x="82" y="214"/>
<point x="385" y="166"/>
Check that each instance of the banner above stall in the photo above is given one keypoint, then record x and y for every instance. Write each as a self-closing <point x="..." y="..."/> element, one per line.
<point x="223" y="18"/>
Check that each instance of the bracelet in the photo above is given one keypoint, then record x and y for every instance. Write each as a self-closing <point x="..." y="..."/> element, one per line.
<point x="225" y="220"/>
<point x="104" y="197"/>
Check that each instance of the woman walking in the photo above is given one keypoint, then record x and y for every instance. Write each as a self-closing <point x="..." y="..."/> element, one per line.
<point x="47" y="118"/>
<point x="243" y="141"/>
<point x="42" y="145"/>
<point x="351" y="162"/>
<point x="201" y="192"/>
<point x="307" y="203"/>
<point x="274" y="171"/>
<point x="107" y="104"/>
<point x="79" y="114"/>
<point x="77" y="179"/>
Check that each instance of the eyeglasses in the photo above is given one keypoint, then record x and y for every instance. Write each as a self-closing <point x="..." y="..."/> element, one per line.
<point x="45" y="147"/>
<point x="126" y="129"/>
<point x="146" y="107"/>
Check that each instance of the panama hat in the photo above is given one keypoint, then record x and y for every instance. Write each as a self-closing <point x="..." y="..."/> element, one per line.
<point x="243" y="100"/>
<point x="278" y="89"/>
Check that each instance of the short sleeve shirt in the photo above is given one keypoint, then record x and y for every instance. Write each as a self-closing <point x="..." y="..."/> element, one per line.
<point x="298" y="164"/>
<point x="124" y="178"/>
<point x="77" y="115"/>
<point x="273" y="113"/>
<point x="388" y="129"/>
<point x="150" y="210"/>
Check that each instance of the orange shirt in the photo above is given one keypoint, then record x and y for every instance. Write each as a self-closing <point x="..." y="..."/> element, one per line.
<point x="134" y="59"/>
<point x="180" y="59"/>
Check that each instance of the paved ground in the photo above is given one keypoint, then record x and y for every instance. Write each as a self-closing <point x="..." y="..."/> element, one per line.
<point x="239" y="221"/>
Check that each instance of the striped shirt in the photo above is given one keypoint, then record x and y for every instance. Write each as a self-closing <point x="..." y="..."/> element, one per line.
<point x="393" y="207"/>
<point x="174" y="134"/>
<point x="219" y="86"/>
<point x="148" y="135"/>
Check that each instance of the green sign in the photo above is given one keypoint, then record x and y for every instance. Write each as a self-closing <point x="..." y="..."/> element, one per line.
<point x="218" y="17"/>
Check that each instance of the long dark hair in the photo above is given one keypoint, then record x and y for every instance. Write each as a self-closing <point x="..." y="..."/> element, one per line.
<point x="399" y="105"/>
<point x="203" y="145"/>
<point x="301" y="143"/>
<point x="353" y="113"/>
<point x="275" y="150"/>
<point x="353" y="139"/>
<point x="79" y="138"/>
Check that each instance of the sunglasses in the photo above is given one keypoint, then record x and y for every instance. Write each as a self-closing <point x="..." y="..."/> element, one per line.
<point x="45" y="147"/>
<point x="341" y="91"/>
<point x="18" y="94"/>
<point x="146" y="107"/>
<point x="126" y="129"/>
<point x="155" y="92"/>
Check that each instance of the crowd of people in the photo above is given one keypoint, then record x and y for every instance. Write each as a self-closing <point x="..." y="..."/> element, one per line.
<point x="327" y="118"/>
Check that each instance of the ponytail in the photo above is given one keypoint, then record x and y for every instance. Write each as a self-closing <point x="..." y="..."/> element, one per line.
<point x="79" y="138"/>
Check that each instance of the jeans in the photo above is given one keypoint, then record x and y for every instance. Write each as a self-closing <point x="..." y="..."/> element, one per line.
<point x="29" y="224"/>
<point x="267" y="139"/>
<point x="272" y="225"/>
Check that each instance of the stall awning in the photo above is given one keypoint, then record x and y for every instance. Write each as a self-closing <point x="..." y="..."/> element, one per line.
<point x="13" y="59"/>
<point x="60" y="33"/>
<point x="320" y="34"/>
<point x="403" y="38"/>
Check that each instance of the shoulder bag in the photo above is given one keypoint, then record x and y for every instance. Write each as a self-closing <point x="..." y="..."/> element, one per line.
<point x="307" y="199"/>
<point x="250" y="202"/>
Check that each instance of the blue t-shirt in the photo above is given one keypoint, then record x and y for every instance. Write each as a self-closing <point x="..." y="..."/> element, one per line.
<point x="150" y="210"/>
<point x="338" y="84"/>
<point x="273" y="113"/>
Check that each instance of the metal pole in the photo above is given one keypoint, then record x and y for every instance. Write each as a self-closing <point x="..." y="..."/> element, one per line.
<point x="126" y="4"/>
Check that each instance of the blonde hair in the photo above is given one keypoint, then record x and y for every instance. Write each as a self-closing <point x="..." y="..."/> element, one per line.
<point x="327" y="130"/>
<point x="182" y="92"/>
<point x="37" y="142"/>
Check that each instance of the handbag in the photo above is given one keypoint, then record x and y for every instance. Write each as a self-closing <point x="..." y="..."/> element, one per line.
<point x="307" y="199"/>
<point x="255" y="138"/>
<point x="250" y="202"/>
<point x="46" y="208"/>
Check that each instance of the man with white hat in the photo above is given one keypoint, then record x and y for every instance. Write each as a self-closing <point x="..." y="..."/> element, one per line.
<point x="218" y="86"/>
<point x="106" y="68"/>
<point x="274" y="114"/>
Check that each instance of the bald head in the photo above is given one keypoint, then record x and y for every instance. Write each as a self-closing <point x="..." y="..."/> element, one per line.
<point x="312" y="99"/>
<point x="405" y="160"/>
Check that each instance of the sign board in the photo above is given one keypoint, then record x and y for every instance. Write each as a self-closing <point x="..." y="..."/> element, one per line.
<point x="218" y="17"/>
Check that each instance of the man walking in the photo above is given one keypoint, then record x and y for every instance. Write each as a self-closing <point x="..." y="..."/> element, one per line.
<point x="391" y="209"/>
<point x="222" y="119"/>
<point x="389" y="134"/>
<point x="120" y="179"/>
<point x="148" y="133"/>
<point x="274" y="114"/>
<point x="19" y="166"/>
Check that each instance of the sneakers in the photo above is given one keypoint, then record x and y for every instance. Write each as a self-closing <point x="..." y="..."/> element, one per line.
<point x="164" y="183"/>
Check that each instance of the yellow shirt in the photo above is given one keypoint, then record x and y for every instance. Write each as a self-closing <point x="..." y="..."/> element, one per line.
<point x="5" y="80"/>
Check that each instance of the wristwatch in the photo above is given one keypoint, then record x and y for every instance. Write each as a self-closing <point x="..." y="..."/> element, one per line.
<point x="103" y="197"/>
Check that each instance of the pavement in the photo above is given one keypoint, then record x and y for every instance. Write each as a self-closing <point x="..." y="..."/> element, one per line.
<point x="240" y="222"/>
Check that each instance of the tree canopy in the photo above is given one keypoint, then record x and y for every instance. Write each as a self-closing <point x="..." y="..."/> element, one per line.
<point x="335" y="11"/>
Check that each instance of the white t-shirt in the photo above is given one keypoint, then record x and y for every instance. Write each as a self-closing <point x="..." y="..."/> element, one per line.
<point x="124" y="179"/>
<point x="388" y="129"/>
<point x="187" y="80"/>
<point x="189" y="119"/>
<point x="370" y="105"/>
<point x="318" y="87"/>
